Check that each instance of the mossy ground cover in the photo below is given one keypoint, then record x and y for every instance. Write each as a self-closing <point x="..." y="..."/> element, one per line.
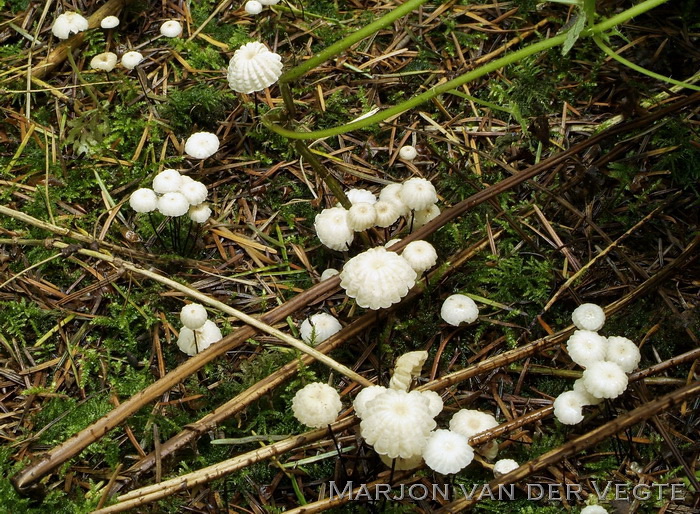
<point x="82" y="334"/>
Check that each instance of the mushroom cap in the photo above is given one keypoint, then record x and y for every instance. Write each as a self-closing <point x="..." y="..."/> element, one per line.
<point x="360" y="196"/>
<point x="469" y="422"/>
<point x="586" y="347"/>
<point x="361" y="216"/>
<point x="588" y="398"/>
<point x="319" y="327"/>
<point x="363" y="397"/>
<point x="504" y="466"/>
<point x="435" y="403"/>
<point x="131" y="59"/>
<point x="568" y="407"/>
<point x="397" y="423"/>
<point x="332" y="228"/>
<point x="328" y="273"/>
<point x="143" y="200"/>
<point x="623" y="352"/>
<point x="407" y="366"/>
<point x="387" y="213"/>
<point x="106" y="61"/>
<point x="425" y="216"/>
<point x="408" y="153"/>
<point x="605" y="380"/>
<point x="173" y="204"/>
<point x="194" y="191"/>
<point x="201" y="145"/>
<point x="377" y="278"/>
<point x="593" y="509"/>
<point x="447" y="452"/>
<point x="167" y="181"/>
<point x="316" y="405"/>
<point x="588" y="316"/>
<point x="192" y="342"/>
<point x="390" y="193"/>
<point x="458" y="308"/>
<point x="68" y="23"/>
<point x="421" y="255"/>
<point x="171" y="28"/>
<point x="418" y="193"/>
<point x="253" y="68"/>
<point x="109" y="22"/>
<point x="200" y="213"/>
<point x="253" y="7"/>
<point x="193" y="316"/>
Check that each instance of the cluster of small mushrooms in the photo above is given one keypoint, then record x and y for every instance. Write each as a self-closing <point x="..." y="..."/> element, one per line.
<point x="606" y="362"/>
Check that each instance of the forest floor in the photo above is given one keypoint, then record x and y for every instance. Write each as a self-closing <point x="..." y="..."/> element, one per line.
<point x="564" y="178"/>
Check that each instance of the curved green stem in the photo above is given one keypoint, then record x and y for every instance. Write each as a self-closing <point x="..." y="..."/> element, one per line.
<point x="452" y="84"/>
<point x="611" y="53"/>
<point x="347" y="42"/>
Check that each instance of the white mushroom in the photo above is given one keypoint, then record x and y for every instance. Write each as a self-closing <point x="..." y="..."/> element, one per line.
<point x="447" y="452"/>
<point x="459" y="308"/>
<point x="105" y="61"/>
<point x="109" y="22"/>
<point x="171" y="28"/>
<point x="68" y="23"/>
<point x="316" y="405"/>
<point x="131" y="59"/>
<point x="408" y="153"/>
<point x="253" y="68"/>
<point x="201" y="145"/>
<point x="143" y="200"/>
<point x="200" y="213"/>
<point x="319" y="327"/>
<point x="332" y="228"/>
<point x="377" y="278"/>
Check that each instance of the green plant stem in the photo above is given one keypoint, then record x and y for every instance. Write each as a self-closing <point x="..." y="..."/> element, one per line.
<point x="452" y="84"/>
<point x="347" y="42"/>
<point x="611" y="53"/>
<point x="322" y="172"/>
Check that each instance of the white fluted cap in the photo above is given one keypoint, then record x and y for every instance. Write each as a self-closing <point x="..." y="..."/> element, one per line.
<point x="421" y="255"/>
<point x="588" y="316"/>
<point x="447" y="452"/>
<point x="377" y="278"/>
<point x="143" y="200"/>
<point x="316" y="405"/>
<point x="201" y="145"/>
<point x="253" y="68"/>
<point x="408" y="153"/>
<point x="173" y="204"/>
<point x="418" y="193"/>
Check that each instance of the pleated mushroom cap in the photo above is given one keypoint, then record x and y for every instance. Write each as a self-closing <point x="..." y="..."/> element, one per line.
<point x="377" y="278"/>
<point x="253" y="68"/>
